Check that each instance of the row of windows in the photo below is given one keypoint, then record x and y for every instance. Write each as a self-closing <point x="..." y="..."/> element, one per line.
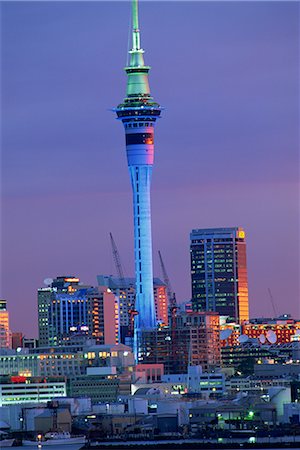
<point x="138" y="124"/>
<point x="139" y="138"/>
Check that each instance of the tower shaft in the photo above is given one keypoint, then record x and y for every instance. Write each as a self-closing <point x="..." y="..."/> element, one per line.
<point x="139" y="112"/>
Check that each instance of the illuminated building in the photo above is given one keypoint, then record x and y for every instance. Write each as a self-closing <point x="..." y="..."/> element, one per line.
<point x="67" y="308"/>
<point x="19" y="389"/>
<point x="138" y="113"/>
<point x="194" y="341"/>
<point x="103" y="316"/>
<point x="283" y="329"/>
<point x="219" y="272"/>
<point x="65" y="360"/>
<point x="229" y="334"/>
<point x="5" y="333"/>
<point x="125" y="290"/>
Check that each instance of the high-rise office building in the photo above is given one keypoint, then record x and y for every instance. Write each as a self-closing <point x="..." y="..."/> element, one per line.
<point x="5" y="333"/>
<point x="219" y="272"/>
<point x="125" y="292"/>
<point x="66" y="308"/>
<point x="138" y="113"/>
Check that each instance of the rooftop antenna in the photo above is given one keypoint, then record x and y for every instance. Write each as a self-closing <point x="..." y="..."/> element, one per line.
<point x="136" y="40"/>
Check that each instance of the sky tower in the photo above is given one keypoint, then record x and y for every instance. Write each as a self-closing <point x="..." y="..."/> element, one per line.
<point x="138" y="113"/>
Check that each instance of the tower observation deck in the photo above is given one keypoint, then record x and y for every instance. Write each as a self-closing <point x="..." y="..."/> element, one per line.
<point x="139" y="112"/>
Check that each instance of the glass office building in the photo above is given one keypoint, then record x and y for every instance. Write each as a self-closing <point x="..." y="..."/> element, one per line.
<point x="219" y="272"/>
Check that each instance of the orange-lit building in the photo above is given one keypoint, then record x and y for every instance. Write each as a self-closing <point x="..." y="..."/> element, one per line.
<point x="103" y="316"/>
<point x="219" y="272"/>
<point x="266" y="330"/>
<point x="229" y="334"/>
<point x="5" y="333"/>
<point x="161" y="302"/>
<point x="283" y="329"/>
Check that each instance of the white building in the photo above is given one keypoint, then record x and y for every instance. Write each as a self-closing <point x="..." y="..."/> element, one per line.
<point x="16" y="390"/>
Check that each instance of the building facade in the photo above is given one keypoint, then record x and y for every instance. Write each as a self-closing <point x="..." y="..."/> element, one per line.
<point x="193" y="341"/>
<point x="219" y="272"/>
<point x="125" y="291"/>
<point x="138" y="113"/>
<point x="19" y="389"/>
<point x="5" y="333"/>
<point x="67" y="308"/>
<point x="65" y="361"/>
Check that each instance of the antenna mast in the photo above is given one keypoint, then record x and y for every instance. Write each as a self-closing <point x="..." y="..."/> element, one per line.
<point x="136" y="41"/>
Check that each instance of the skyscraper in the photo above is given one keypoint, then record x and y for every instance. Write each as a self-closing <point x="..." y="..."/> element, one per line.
<point x="219" y="272"/>
<point x="138" y="113"/>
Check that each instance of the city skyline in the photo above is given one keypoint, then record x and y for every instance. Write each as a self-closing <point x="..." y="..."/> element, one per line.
<point x="229" y="82"/>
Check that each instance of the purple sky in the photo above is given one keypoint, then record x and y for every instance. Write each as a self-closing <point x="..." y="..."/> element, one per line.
<point x="226" y="146"/>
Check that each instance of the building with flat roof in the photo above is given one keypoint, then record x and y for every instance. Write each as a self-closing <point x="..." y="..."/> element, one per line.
<point x="19" y="389"/>
<point x="64" y="361"/>
<point x="67" y="308"/>
<point x="219" y="272"/>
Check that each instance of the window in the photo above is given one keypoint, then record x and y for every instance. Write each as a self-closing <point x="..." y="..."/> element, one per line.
<point x="139" y="138"/>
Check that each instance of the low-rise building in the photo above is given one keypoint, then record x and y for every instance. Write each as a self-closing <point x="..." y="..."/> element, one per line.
<point x="18" y="389"/>
<point x="65" y="360"/>
<point x="99" y="388"/>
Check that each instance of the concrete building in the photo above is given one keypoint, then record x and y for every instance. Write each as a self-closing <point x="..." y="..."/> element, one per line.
<point x="20" y="389"/>
<point x="64" y="361"/>
<point x="219" y="272"/>
<point x="99" y="388"/>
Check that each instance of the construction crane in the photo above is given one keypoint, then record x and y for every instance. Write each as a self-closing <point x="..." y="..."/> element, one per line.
<point x="117" y="260"/>
<point x="272" y="301"/>
<point x="170" y="293"/>
<point x="131" y="312"/>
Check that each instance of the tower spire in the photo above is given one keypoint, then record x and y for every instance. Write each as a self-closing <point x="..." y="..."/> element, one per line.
<point x="136" y="41"/>
<point x="137" y="72"/>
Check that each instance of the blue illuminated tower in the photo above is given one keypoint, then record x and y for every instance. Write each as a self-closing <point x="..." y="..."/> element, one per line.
<point x="138" y="113"/>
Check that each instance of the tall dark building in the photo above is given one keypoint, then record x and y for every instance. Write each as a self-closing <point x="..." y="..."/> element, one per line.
<point x="219" y="272"/>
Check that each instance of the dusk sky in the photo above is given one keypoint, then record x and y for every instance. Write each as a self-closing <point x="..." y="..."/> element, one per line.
<point x="226" y="148"/>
